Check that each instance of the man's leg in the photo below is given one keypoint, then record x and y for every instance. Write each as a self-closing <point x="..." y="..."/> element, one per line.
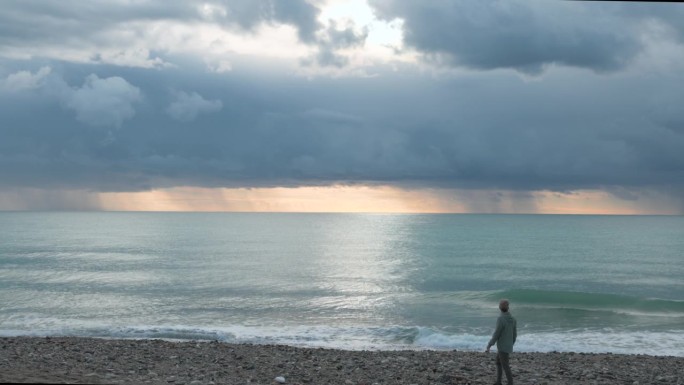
<point x="498" y="368"/>
<point x="503" y="362"/>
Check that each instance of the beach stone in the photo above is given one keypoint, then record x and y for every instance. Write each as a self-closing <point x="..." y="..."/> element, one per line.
<point x="20" y="358"/>
<point x="279" y="379"/>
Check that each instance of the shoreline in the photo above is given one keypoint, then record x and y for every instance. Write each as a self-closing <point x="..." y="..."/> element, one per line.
<point x="153" y="361"/>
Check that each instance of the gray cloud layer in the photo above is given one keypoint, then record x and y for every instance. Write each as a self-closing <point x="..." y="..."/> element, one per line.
<point x="477" y="131"/>
<point x="27" y="26"/>
<point x="37" y="21"/>
<point x="109" y="128"/>
<point x="527" y="35"/>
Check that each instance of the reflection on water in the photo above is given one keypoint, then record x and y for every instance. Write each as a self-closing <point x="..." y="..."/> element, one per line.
<point x="416" y="279"/>
<point x="362" y="258"/>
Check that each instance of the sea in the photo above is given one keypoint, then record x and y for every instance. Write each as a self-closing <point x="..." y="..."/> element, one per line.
<point x="347" y="281"/>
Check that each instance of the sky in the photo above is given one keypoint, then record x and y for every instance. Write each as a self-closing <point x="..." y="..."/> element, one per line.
<point x="487" y="106"/>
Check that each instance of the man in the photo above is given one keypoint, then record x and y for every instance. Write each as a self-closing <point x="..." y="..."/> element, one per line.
<point x="504" y="336"/>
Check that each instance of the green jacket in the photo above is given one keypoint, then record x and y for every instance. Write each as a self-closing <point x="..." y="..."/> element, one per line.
<point x="505" y="334"/>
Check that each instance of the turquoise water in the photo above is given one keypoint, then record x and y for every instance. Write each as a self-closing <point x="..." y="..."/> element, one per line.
<point x="352" y="281"/>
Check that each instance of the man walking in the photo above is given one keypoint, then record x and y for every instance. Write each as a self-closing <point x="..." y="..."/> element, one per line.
<point x="504" y="337"/>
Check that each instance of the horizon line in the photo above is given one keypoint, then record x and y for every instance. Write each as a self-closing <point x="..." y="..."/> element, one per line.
<point x="328" y="212"/>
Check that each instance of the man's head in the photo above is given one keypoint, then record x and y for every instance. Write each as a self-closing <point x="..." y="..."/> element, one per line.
<point x="503" y="305"/>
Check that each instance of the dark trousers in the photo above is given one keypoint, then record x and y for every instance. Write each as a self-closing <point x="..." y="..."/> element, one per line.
<point x="502" y="365"/>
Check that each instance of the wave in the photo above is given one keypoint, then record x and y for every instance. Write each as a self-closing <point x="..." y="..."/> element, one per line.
<point x="591" y="301"/>
<point x="668" y="343"/>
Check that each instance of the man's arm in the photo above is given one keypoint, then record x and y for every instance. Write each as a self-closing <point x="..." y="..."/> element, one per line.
<point x="496" y="335"/>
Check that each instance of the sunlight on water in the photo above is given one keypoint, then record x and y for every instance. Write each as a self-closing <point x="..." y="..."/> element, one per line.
<point x="346" y="280"/>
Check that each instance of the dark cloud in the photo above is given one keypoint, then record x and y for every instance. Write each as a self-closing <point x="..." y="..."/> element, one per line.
<point x="118" y="34"/>
<point x="115" y="33"/>
<point x="477" y="131"/>
<point x="527" y="35"/>
<point x="335" y="39"/>
<point x="250" y="122"/>
<point x="111" y="33"/>
<point x="299" y="13"/>
<point x="76" y="18"/>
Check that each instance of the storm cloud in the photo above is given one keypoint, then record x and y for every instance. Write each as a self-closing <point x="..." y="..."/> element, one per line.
<point x="137" y="34"/>
<point x="603" y="109"/>
<point x="526" y="35"/>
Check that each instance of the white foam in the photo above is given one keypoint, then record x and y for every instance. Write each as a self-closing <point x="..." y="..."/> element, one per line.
<point x="665" y="343"/>
<point x="670" y="343"/>
<point x="430" y="339"/>
<point x="607" y="341"/>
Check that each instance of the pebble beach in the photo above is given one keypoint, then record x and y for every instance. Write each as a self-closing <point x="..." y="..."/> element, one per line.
<point x="109" y="361"/>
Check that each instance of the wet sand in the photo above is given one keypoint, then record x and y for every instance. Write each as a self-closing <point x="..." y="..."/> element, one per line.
<point x="104" y="361"/>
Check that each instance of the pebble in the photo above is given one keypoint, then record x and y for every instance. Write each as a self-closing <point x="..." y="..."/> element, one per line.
<point x="25" y="359"/>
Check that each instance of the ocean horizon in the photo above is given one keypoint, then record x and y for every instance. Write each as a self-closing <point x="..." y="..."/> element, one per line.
<point x="582" y="283"/>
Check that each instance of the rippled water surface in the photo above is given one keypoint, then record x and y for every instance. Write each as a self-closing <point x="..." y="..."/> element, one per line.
<point x="581" y="283"/>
